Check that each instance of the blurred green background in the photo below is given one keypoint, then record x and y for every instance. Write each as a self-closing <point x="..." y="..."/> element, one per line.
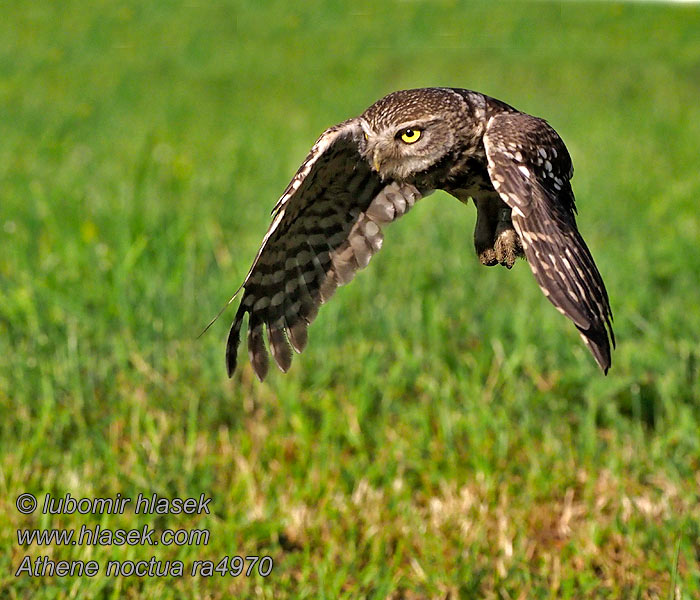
<point x="446" y="434"/>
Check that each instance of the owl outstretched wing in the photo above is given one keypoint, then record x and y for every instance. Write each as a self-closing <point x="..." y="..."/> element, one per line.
<point x="326" y="226"/>
<point x="530" y="168"/>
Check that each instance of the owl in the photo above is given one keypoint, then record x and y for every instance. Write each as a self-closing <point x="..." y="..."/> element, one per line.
<point x="366" y="172"/>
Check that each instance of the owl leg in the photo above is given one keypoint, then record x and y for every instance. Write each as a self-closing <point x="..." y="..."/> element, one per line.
<point x="485" y="230"/>
<point x="507" y="246"/>
<point x="495" y="240"/>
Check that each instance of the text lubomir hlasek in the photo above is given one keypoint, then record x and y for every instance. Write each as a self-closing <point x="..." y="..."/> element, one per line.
<point x="144" y="505"/>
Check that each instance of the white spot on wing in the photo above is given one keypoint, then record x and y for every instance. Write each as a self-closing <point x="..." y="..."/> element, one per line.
<point x="262" y="303"/>
<point x="277" y="299"/>
<point x="371" y="228"/>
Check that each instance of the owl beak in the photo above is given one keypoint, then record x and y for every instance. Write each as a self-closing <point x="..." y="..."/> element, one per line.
<point x="376" y="162"/>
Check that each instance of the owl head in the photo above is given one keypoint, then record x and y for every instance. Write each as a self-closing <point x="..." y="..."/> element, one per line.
<point x="409" y="131"/>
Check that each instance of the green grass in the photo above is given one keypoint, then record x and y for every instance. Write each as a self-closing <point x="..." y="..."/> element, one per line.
<point x="446" y="433"/>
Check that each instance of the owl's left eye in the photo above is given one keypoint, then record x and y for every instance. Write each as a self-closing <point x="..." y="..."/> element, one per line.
<point x="410" y="135"/>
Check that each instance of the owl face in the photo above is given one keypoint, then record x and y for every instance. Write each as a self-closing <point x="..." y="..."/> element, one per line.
<point x="402" y="149"/>
<point x="409" y="131"/>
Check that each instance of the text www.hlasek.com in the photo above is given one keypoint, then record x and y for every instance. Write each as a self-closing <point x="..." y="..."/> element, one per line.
<point x="97" y="536"/>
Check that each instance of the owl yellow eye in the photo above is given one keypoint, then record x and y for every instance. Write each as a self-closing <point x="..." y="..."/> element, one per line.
<point x="410" y="136"/>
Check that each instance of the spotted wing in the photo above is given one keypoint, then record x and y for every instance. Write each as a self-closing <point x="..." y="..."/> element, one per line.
<point x="325" y="227"/>
<point x="530" y="168"/>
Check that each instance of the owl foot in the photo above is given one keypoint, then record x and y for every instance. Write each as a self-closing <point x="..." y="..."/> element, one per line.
<point x="499" y="244"/>
<point x="488" y="258"/>
<point x="507" y="246"/>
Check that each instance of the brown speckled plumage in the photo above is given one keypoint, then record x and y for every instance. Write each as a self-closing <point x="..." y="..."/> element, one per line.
<point x="363" y="173"/>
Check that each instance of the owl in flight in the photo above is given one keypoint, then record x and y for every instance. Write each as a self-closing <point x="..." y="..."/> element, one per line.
<point x="368" y="171"/>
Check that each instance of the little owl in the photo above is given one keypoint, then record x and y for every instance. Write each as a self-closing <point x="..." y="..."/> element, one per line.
<point x="368" y="171"/>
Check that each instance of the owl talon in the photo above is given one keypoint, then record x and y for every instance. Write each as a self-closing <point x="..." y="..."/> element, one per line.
<point x="488" y="257"/>
<point x="507" y="247"/>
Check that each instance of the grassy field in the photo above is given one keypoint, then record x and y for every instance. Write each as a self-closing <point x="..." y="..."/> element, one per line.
<point x="446" y="434"/>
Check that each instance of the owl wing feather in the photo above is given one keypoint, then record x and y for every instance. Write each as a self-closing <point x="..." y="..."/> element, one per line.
<point x="326" y="226"/>
<point x="530" y="168"/>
